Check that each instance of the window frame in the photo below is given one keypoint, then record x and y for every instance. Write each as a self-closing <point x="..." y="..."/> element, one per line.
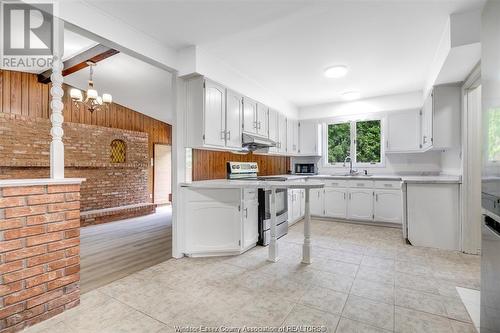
<point x="352" y="149"/>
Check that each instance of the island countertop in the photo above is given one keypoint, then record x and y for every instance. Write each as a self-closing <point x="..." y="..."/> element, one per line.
<point x="231" y="183"/>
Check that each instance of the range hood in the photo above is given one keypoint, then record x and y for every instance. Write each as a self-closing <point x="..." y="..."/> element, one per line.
<point x="253" y="142"/>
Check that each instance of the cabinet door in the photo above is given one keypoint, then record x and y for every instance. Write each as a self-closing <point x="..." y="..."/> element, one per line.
<point x="234" y="111"/>
<point x="426" y="122"/>
<point x="213" y="227"/>
<point x="273" y="126"/>
<point x="215" y="114"/>
<point x="360" y="204"/>
<point x="302" y="200"/>
<point x="388" y="206"/>
<point x="292" y="136"/>
<point x="282" y="133"/>
<point x="308" y="138"/>
<point x="316" y="201"/>
<point x="249" y="115"/>
<point x="296" y="205"/>
<point x="250" y="223"/>
<point x="335" y="202"/>
<point x="262" y="120"/>
<point x="290" y="207"/>
<point x="403" y="131"/>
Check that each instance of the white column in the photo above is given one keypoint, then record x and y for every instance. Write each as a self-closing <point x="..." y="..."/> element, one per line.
<point x="56" y="104"/>
<point x="273" y="244"/>
<point x="306" y="248"/>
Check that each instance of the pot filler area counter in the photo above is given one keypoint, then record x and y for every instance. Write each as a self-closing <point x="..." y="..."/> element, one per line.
<point x="221" y="217"/>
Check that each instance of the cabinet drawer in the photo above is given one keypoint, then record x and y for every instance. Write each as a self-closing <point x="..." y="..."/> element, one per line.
<point x="388" y="184"/>
<point x="335" y="183"/>
<point x="250" y="194"/>
<point x="360" y="183"/>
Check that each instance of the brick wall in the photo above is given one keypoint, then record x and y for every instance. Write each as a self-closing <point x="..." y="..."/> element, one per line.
<point x="25" y="145"/>
<point x="39" y="253"/>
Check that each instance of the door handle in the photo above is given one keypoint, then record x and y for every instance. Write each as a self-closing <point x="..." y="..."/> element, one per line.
<point x="246" y="213"/>
<point x="344" y="195"/>
<point x="223" y="135"/>
<point x="350" y="196"/>
<point x="228" y="135"/>
<point x="376" y="197"/>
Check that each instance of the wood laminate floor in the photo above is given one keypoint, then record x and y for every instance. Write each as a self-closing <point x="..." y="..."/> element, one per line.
<point x="114" y="250"/>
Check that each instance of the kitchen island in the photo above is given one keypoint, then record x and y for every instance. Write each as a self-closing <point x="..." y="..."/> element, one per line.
<point x="208" y="194"/>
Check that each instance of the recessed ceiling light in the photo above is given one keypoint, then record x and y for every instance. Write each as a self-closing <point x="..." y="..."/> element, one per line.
<point x="351" y="95"/>
<point x="336" y="71"/>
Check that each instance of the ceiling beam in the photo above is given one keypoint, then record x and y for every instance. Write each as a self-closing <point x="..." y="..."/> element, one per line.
<point x="79" y="61"/>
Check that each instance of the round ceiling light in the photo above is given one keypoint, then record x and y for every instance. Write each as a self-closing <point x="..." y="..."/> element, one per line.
<point x="351" y="95"/>
<point x="336" y="71"/>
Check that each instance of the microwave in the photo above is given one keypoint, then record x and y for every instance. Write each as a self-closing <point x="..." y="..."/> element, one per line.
<point x="305" y="169"/>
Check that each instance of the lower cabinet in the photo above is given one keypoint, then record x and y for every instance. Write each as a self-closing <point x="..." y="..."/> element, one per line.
<point x="316" y="201"/>
<point x="213" y="227"/>
<point x="335" y="203"/>
<point x="250" y="223"/>
<point x="219" y="221"/>
<point x="296" y="205"/>
<point x="360" y="204"/>
<point x="388" y="206"/>
<point x="360" y="201"/>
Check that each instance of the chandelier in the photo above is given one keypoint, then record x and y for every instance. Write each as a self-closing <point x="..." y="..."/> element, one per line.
<point x="92" y="101"/>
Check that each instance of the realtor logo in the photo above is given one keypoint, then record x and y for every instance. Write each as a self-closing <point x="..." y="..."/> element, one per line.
<point x="27" y="35"/>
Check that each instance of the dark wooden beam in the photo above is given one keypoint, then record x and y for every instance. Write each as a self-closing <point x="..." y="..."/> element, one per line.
<point x="79" y="61"/>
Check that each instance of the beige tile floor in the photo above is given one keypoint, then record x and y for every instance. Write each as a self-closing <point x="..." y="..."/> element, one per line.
<point x="363" y="279"/>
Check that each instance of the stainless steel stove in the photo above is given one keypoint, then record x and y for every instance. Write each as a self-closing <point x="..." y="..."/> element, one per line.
<point x="249" y="171"/>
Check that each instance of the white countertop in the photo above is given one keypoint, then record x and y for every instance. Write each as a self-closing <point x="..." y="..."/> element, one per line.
<point x="292" y="181"/>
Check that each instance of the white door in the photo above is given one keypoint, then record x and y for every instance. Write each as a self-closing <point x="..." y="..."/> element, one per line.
<point x="360" y="204"/>
<point x="308" y="138"/>
<point x="403" y="131"/>
<point x="282" y="133"/>
<point x="262" y="120"/>
<point x="316" y="201"/>
<point x="388" y="206"/>
<point x="249" y="115"/>
<point x="234" y="111"/>
<point x="426" y="122"/>
<point x="162" y="173"/>
<point x="302" y="200"/>
<point x="250" y="223"/>
<point x="215" y="114"/>
<point x="273" y="125"/>
<point x="292" y="139"/>
<point x="335" y="202"/>
<point x="290" y="207"/>
<point x="295" y="205"/>
<point x="213" y="227"/>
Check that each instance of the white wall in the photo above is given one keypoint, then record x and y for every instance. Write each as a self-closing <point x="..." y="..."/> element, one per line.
<point x="412" y="100"/>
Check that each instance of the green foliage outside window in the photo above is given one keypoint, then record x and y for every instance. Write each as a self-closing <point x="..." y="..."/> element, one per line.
<point x="368" y="141"/>
<point x="339" y="142"/>
<point x="494" y="135"/>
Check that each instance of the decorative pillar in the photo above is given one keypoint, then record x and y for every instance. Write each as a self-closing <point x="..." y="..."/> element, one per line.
<point x="56" y="104"/>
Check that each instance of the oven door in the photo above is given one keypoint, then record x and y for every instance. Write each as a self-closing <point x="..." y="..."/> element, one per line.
<point x="281" y="203"/>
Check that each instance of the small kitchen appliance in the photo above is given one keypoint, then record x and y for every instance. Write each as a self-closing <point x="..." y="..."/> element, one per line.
<point x="305" y="169"/>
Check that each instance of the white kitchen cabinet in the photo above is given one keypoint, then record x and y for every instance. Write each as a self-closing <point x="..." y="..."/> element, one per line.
<point x="388" y="206"/>
<point x="296" y="205"/>
<point x="335" y="202"/>
<point x="213" y="227"/>
<point x="249" y="115"/>
<point x="403" y="132"/>
<point x="360" y="204"/>
<point x="292" y="138"/>
<point x="309" y="138"/>
<point x="446" y="116"/>
<point x="426" y="124"/>
<point x="250" y="223"/>
<point x="234" y="112"/>
<point x="213" y="115"/>
<point x="262" y="120"/>
<point x="302" y="202"/>
<point x="273" y="126"/>
<point x="316" y="200"/>
<point x="433" y="212"/>
<point x="282" y="134"/>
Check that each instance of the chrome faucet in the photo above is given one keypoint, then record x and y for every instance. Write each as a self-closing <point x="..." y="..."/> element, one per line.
<point x="351" y="170"/>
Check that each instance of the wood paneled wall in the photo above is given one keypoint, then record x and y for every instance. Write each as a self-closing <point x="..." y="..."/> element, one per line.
<point x="21" y="94"/>
<point x="209" y="164"/>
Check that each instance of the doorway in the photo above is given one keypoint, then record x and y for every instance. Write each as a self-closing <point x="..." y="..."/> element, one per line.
<point x="162" y="164"/>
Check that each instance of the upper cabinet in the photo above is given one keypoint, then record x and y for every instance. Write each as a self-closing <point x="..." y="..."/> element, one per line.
<point x="249" y="115"/>
<point x="436" y="126"/>
<point x="262" y="120"/>
<point x="213" y="115"/>
<point x="292" y="137"/>
<point x="281" y="143"/>
<point x="309" y="138"/>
